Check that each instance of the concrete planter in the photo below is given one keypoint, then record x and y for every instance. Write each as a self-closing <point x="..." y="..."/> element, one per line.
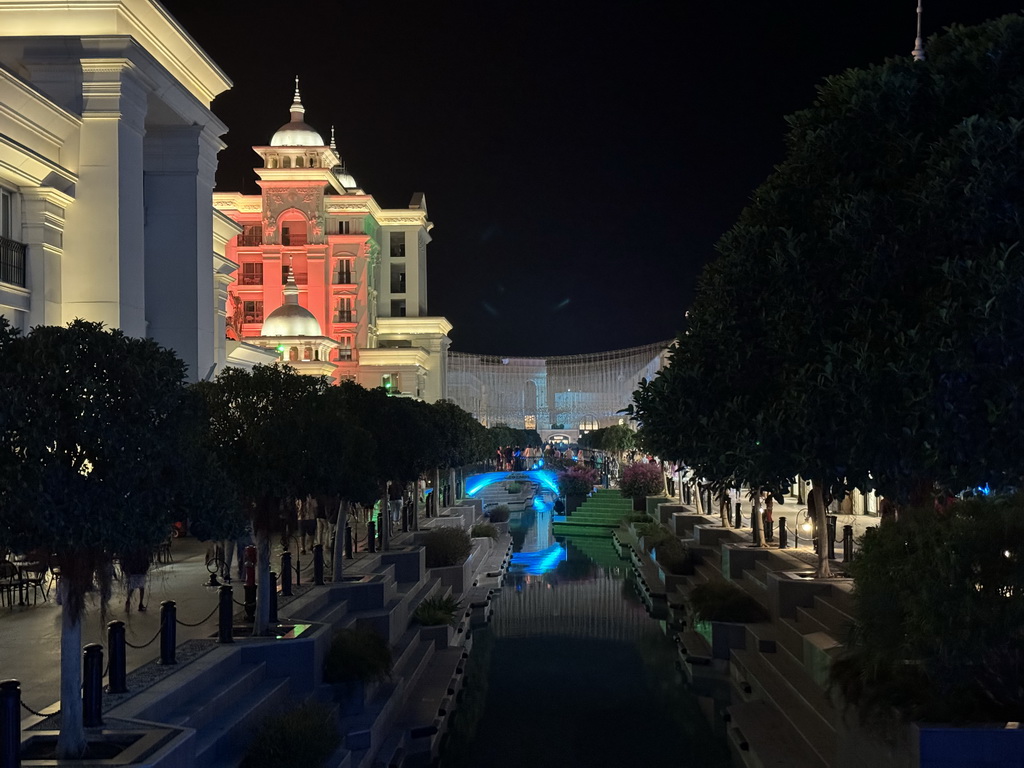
<point x="651" y="504"/>
<point x="639" y="503"/>
<point x="682" y="523"/>
<point x="726" y="635"/>
<point x="573" y="502"/>
<point x="667" y="510"/>
<point x="442" y="636"/>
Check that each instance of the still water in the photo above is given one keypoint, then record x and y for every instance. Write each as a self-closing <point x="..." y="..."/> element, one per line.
<point x="572" y="670"/>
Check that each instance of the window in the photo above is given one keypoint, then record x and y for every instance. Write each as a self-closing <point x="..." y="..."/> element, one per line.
<point x="343" y="309"/>
<point x="252" y="273"/>
<point x="345" y="350"/>
<point x="298" y="162"/>
<point x="397" y="245"/>
<point x="6" y="214"/>
<point x="390" y="382"/>
<point x="342" y="272"/>
<point x="252" y="234"/>
<point x="252" y="311"/>
<point x="293" y="234"/>
<point x="344" y="227"/>
<point x="286" y="162"/>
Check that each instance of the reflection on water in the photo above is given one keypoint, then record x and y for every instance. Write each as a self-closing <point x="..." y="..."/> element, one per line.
<point x="572" y="670"/>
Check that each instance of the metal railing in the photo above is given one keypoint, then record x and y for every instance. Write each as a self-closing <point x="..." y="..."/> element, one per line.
<point x="250" y="240"/>
<point x="12" y="262"/>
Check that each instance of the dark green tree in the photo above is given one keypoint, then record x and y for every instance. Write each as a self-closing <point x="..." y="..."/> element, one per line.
<point x="97" y="457"/>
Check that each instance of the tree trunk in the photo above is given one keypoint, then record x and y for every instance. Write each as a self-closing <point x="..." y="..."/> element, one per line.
<point x="414" y="524"/>
<point x="697" y="496"/>
<point x="756" y="521"/>
<point x="821" y="529"/>
<point x="71" y="740"/>
<point x="723" y="509"/>
<point x="262" y="618"/>
<point x="338" y="558"/>
<point x="452" y="485"/>
<point x="437" y="491"/>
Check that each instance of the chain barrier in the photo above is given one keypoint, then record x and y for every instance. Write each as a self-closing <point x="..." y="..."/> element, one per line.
<point x="150" y="642"/>
<point x="29" y="709"/>
<point x="208" y="617"/>
<point x="240" y="605"/>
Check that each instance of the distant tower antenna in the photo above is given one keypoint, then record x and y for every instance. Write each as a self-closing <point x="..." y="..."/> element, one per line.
<point x="919" y="42"/>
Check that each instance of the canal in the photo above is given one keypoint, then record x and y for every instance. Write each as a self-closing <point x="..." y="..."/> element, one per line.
<point x="572" y="670"/>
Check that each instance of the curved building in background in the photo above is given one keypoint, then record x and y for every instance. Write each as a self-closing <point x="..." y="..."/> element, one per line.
<point x="562" y="396"/>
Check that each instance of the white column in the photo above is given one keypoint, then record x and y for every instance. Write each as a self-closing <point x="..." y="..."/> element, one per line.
<point x="103" y="270"/>
<point x="43" y="211"/>
<point x="180" y="163"/>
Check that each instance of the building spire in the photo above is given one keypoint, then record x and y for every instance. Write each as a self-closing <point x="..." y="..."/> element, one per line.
<point x="291" y="288"/>
<point x="918" y="51"/>
<point x="297" y="109"/>
<point x="333" y="145"/>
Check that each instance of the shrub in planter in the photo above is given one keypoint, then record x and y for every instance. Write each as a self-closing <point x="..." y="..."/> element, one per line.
<point x="483" y="530"/>
<point x="675" y="557"/>
<point x="641" y="479"/>
<point x="639" y="517"/>
<point x="446" y="546"/>
<point x="498" y="514"/>
<point x="513" y="487"/>
<point x="304" y="736"/>
<point x="577" y="481"/>
<point x="721" y="601"/>
<point x="435" y="611"/>
<point x="357" y="655"/>
<point x="654" y="534"/>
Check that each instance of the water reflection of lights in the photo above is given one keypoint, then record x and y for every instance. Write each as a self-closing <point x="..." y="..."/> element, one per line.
<point x="545" y="477"/>
<point x="541" y="561"/>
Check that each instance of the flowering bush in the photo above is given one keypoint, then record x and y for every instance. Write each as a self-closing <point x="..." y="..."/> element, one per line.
<point x="642" y="479"/>
<point x="577" y="481"/>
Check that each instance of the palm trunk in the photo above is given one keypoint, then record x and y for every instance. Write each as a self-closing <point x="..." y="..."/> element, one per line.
<point x="338" y="558"/>
<point x="821" y="529"/>
<point x="71" y="740"/>
<point x="262" y="616"/>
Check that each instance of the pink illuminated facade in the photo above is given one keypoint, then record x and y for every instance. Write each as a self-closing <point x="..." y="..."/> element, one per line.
<point x="314" y="245"/>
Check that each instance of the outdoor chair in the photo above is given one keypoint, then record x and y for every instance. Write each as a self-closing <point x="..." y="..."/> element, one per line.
<point x="33" y="577"/>
<point x="10" y="582"/>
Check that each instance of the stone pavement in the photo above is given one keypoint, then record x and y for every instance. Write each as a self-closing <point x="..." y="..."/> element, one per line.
<point x="30" y="635"/>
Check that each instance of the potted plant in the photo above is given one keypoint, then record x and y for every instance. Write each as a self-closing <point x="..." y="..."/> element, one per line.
<point x="438" y="617"/>
<point x="640" y="480"/>
<point x="483" y="531"/>
<point x="447" y="555"/>
<point x="357" y="659"/>
<point x="575" y="483"/>
<point x="306" y="735"/>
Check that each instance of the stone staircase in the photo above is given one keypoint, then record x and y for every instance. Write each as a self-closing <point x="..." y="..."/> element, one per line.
<point x="221" y="697"/>
<point x="603" y="509"/>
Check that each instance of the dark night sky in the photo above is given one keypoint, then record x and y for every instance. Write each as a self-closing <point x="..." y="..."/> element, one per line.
<point x="579" y="160"/>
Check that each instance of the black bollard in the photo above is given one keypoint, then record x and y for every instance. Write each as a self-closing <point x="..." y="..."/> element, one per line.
<point x="847" y="543"/>
<point x="783" y="533"/>
<point x="168" y="632"/>
<point x="739" y="516"/>
<point x="318" y="564"/>
<point x="286" y="574"/>
<point x="831" y="532"/>
<point x="10" y="724"/>
<point x="371" y="537"/>
<point x="298" y="571"/>
<point x="273" y="598"/>
<point x="92" y="686"/>
<point x="117" y="676"/>
<point x="250" y="602"/>
<point x="348" y="542"/>
<point x="225" y="617"/>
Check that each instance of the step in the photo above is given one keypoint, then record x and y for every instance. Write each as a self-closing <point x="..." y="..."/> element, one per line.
<point x="835" y="611"/>
<point x="762" y="730"/>
<point x="783" y="684"/>
<point x="807" y="621"/>
<point x="229" y="733"/>
<point x="205" y="706"/>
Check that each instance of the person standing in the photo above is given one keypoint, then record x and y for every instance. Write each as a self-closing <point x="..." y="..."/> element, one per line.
<point x="305" y="508"/>
<point x="134" y="569"/>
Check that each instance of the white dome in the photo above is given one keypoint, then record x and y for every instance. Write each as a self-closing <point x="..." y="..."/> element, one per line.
<point x="296" y="134"/>
<point x="291" y="320"/>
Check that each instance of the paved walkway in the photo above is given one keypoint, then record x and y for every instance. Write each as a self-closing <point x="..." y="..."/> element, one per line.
<point x="30" y="635"/>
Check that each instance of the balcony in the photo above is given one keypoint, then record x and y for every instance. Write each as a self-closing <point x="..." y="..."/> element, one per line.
<point x="250" y="239"/>
<point x="12" y="262"/>
<point x="251" y="279"/>
<point x="344" y="316"/>
<point x="342" y="278"/>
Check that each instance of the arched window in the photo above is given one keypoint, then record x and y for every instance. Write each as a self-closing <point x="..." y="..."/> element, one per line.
<point x="298" y="162"/>
<point x="286" y="162"/>
<point x="312" y="162"/>
<point x="272" y="163"/>
<point x="293" y="354"/>
<point x="307" y="353"/>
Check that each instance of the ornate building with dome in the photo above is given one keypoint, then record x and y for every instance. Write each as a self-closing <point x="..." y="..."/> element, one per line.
<point x="327" y="279"/>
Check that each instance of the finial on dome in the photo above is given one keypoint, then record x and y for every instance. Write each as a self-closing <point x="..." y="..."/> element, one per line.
<point x="297" y="109"/>
<point x="918" y="52"/>
<point x="291" y="288"/>
<point x="333" y="145"/>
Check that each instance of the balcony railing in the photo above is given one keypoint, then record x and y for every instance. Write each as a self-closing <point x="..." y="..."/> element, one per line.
<point x="12" y="262"/>
<point x="342" y="278"/>
<point x="345" y="316"/>
<point x="251" y="280"/>
<point x="249" y="240"/>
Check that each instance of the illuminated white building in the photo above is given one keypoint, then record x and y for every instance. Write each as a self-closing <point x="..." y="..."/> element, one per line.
<point x="108" y="150"/>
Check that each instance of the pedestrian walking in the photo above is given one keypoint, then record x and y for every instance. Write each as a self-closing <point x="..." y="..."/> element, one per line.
<point x="134" y="570"/>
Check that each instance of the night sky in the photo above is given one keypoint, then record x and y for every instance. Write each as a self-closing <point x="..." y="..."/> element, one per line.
<point x="579" y="160"/>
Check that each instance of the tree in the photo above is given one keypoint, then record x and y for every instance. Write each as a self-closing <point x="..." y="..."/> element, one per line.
<point x="864" y="317"/>
<point x="96" y="458"/>
<point x="253" y="418"/>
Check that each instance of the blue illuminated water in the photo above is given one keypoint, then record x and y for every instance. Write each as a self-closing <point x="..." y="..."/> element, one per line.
<point x="573" y="671"/>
